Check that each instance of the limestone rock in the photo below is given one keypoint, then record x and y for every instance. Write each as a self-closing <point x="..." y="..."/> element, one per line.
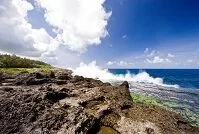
<point x="60" y="103"/>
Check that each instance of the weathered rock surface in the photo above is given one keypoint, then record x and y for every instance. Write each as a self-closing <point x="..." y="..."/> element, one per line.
<point x="65" y="104"/>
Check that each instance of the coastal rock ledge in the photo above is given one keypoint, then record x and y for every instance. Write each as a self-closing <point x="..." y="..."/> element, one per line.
<point x="60" y="103"/>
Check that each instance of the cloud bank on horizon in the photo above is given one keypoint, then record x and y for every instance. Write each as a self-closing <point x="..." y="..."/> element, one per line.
<point x="68" y="32"/>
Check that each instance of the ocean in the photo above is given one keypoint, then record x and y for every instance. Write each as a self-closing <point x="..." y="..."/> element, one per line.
<point x="176" y="89"/>
<point x="185" y="78"/>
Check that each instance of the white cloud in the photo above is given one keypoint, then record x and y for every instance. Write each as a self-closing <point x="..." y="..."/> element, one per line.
<point x="149" y="52"/>
<point x="158" y="59"/>
<point x="170" y="55"/>
<point x="120" y="63"/>
<point x="155" y="57"/>
<point x="16" y="33"/>
<point x="152" y="53"/>
<point x="78" y="23"/>
<point x="189" y="60"/>
<point x="131" y="63"/>
<point x="110" y="63"/>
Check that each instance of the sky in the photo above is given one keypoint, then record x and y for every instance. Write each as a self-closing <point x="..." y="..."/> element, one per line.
<point x="109" y="33"/>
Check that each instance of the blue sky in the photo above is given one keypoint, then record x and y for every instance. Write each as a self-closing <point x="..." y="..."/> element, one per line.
<point x="170" y="26"/>
<point x="121" y="34"/>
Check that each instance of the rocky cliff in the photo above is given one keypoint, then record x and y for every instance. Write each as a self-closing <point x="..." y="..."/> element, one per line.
<point x="61" y="103"/>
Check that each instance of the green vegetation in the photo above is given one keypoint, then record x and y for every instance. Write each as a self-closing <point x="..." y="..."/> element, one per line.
<point x="13" y="61"/>
<point x="138" y="98"/>
<point x="15" y="71"/>
<point x="12" y="64"/>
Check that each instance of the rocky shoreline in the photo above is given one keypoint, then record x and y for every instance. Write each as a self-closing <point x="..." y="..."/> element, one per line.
<point x="61" y="103"/>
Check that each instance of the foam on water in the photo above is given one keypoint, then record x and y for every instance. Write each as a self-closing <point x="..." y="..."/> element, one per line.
<point x="93" y="71"/>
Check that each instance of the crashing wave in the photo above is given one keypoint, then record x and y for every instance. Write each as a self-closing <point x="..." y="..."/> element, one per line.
<point x="93" y="71"/>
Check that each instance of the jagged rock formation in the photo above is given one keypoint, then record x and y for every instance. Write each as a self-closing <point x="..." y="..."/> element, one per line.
<point x="65" y="104"/>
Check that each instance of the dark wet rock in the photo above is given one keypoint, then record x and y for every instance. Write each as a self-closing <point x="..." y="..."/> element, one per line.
<point x="87" y="82"/>
<point x="6" y="89"/>
<point x="52" y="74"/>
<point x="88" y="125"/>
<point x="61" y="82"/>
<point x="93" y="102"/>
<point x="5" y="79"/>
<point x="77" y="79"/>
<point x="150" y="131"/>
<point x="55" y="96"/>
<point x="33" y="81"/>
<point x="61" y="103"/>
<point x="125" y="84"/>
<point x="35" y="78"/>
<point x="1" y="77"/>
<point x="63" y="75"/>
<point x="9" y="80"/>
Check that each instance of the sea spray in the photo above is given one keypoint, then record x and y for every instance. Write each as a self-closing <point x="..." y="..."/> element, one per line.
<point x="91" y="70"/>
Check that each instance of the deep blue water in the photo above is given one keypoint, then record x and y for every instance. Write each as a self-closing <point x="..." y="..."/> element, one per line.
<point x="185" y="78"/>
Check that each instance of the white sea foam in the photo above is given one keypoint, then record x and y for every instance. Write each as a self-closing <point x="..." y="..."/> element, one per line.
<point x="93" y="71"/>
